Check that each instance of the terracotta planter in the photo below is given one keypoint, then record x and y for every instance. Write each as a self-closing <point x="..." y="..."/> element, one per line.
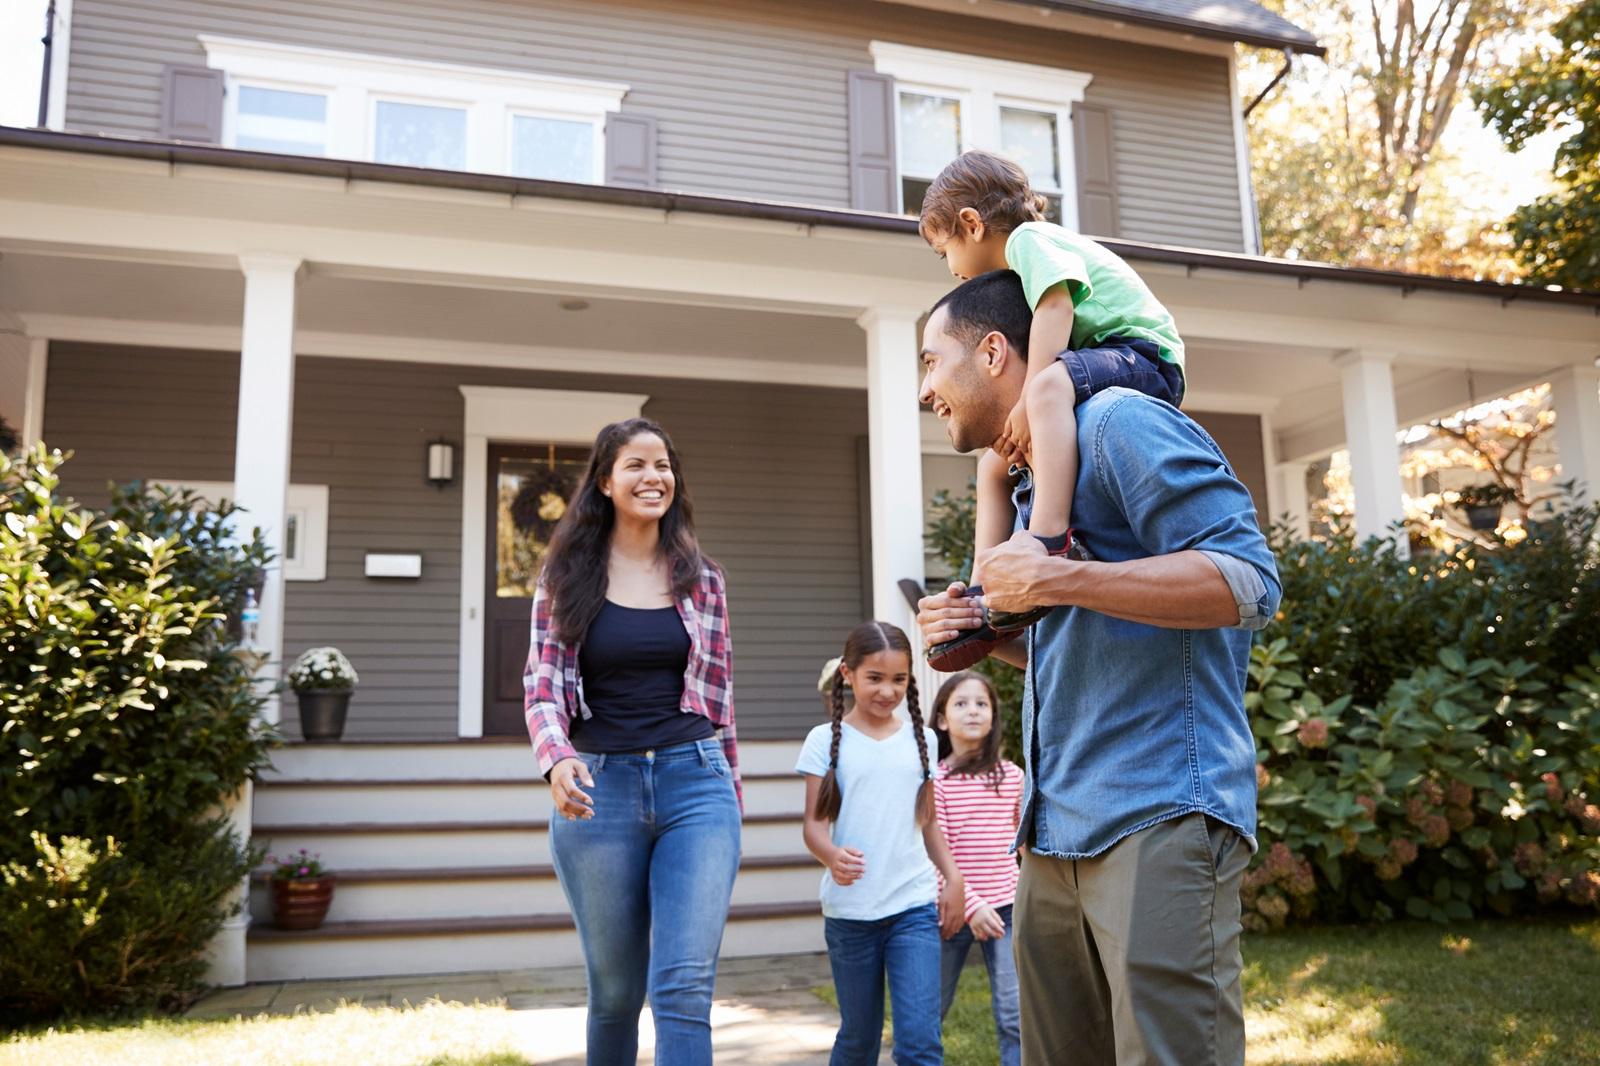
<point x="322" y="713"/>
<point x="301" y="903"/>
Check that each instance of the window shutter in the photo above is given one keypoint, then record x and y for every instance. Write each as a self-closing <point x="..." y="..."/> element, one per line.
<point x="631" y="151"/>
<point x="872" y="155"/>
<point x="1097" y="170"/>
<point x="191" y="104"/>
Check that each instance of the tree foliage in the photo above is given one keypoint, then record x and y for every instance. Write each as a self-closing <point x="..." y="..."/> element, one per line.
<point x="1557" y="236"/>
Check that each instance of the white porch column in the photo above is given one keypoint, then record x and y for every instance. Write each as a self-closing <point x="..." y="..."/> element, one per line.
<point x="895" y="438"/>
<point x="33" y="395"/>
<point x="1292" y="500"/>
<point x="266" y="415"/>
<point x="1371" y="429"/>
<point x="1575" y="395"/>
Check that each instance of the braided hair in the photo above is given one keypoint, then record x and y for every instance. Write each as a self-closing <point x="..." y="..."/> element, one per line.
<point x="866" y="639"/>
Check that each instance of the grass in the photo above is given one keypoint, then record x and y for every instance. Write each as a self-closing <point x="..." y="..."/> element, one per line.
<point x="1483" y="994"/>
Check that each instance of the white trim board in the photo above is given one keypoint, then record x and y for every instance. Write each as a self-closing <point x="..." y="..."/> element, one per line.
<point x="501" y="414"/>
<point x="307" y="505"/>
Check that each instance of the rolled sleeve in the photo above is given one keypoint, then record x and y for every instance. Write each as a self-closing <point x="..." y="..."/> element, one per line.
<point x="1257" y="603"/>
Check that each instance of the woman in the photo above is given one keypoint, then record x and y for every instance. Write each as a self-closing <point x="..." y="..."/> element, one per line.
<point x="628" y="689"/>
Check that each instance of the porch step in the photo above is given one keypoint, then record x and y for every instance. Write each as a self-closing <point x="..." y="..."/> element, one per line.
<point x="471" y="843"/>
<point x="497" y="757"/>
<point x="434" y="946"/>
<point x="290" y="801"/>
<point x="375" y="895"/>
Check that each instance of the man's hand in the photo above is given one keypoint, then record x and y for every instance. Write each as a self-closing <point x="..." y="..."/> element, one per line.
<point x="987" y="924"/>
<point x="952" y="907"/>
<point x="1010" y="571"/>
<point x="944" y="615"/>
<point x="571" y="801"/>
<point x="847" y="866"/>
<point x="1016" y="441"/>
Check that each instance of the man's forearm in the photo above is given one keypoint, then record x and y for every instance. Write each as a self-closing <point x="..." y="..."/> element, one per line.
<point x="1180" y="591"/>
<point x="1014" y="652"/>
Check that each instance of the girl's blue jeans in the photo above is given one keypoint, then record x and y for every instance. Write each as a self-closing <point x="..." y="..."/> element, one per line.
<point x="649" y="878"/>
<point x="906" y="947"/>
<point x="1003" y="997"/>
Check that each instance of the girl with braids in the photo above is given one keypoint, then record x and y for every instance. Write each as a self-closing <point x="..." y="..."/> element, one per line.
<point x="978" y="797"/>
<point x="630" y="707"/>
<point x="870" y="820"/>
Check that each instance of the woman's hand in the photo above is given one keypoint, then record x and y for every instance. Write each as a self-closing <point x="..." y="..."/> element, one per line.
<point x="987" y="924"/>
<point x="847" y="865"/>
<point x="571" y="801"/>
<point x="952" y="906"/>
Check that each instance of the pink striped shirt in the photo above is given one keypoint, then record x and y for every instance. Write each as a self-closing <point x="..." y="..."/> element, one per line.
<point x="980" y="825"/>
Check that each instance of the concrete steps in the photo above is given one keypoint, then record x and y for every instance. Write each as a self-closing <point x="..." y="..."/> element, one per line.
<point x="442" y="853"/>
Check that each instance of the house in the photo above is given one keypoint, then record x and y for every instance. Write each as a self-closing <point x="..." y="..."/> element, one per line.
<point x="278" y="251"/>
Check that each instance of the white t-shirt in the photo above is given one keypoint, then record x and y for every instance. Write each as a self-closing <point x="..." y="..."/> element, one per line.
<point x="879" y="779"/>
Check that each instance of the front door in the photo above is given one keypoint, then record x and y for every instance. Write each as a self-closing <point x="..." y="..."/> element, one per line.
<point x="529" y="486"/>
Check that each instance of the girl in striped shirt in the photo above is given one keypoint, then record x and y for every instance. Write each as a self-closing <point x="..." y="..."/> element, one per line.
<point x="978" y="798"/>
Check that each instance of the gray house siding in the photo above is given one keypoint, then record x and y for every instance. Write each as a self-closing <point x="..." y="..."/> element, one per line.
<point x="771" y="469"/>
<point x="750" y="96"/>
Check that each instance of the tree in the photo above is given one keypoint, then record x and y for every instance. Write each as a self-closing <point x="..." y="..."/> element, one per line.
<point x="1557" y="237"/>
<point x="1350" y="165"/>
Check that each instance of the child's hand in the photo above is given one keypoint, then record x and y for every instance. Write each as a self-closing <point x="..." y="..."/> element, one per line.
<point x="987" y="924"/>
<point x="1017" y="439"/>
<point x="952" y="907"/>
<point x="847" y="866"/>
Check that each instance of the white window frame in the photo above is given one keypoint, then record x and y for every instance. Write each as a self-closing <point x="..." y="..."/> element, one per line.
<point x="983" y="86"/>
<point x="355" y="81"/>
<point x="307" y="505"/>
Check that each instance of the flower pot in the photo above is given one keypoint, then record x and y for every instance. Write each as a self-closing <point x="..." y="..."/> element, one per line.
<point x="302" y="902"/>
<point x="1483" y="517"/>
<point x="322" y="713"/>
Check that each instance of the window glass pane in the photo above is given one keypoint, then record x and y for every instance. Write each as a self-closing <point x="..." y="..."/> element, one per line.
<point x="420" y="135"/>
<point x="912" y="190"/>
<point x="1029" y="137"/>
<point x="553" y="148"/>
<point x="531" y="495"/>
<point x="1052" y="210"/>
<point x="930" y="134"/>
<point x="276" y="120"/>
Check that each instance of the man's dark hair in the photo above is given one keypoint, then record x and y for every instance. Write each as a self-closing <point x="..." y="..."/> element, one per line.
<point x="989" y="303"/>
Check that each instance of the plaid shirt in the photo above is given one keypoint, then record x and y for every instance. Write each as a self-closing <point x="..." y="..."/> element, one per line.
<point x="553" y="684"/>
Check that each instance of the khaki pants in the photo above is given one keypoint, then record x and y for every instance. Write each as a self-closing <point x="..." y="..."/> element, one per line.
<point x="1132" y="957"/>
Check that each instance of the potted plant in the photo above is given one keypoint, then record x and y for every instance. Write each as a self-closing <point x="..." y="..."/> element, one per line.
<point x="1483" y="503"/>
<point x="323" y="679"/>
<point x="301" y="891"/>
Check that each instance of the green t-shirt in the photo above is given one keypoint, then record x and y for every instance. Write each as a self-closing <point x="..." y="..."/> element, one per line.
<point x="1108" y="298"/>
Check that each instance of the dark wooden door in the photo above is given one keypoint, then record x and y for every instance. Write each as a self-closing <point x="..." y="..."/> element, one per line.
<point x="529" y="486"/>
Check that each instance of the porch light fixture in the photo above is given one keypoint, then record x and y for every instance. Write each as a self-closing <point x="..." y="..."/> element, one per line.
<point x="441" y="463"/>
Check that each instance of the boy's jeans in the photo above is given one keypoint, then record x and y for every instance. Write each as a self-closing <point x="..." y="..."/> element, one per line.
<point x="906" y="946"/>
<point x="648" y="879"/>
<point x="1003" y="999"/>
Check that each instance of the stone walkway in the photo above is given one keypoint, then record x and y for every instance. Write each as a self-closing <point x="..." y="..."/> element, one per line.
<point x="765" y="1012"/>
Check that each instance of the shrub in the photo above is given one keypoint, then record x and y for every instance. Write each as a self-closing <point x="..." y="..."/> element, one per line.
<point x="126" y="723"/>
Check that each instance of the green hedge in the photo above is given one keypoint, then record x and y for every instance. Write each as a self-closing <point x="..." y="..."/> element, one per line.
<point x="126" y="723"/>
<point x="1428" y="729"/>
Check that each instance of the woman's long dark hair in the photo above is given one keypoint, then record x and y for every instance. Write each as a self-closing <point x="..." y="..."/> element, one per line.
<point x="866" y="639"/>
<point x="986" y="760"/>
<point x="575" y="567"/>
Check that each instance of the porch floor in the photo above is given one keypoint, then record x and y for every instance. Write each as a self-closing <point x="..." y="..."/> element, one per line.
<point x="765" y="1013"/>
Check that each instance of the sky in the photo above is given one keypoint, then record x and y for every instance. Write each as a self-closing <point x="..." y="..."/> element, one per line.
<point x="1510" y="179"/>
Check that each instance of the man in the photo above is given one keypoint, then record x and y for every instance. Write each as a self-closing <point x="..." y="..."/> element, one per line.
<point x="1139" y="813"/>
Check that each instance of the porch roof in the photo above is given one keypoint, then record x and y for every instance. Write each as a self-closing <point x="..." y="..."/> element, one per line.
<point x="1192" y="259"/>
<point x="1231" y="20"/>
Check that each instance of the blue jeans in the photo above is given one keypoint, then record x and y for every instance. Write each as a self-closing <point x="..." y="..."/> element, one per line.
<point x="1003" y="998"/>
<point x="906" y="946"/>
<point x="648" y="879"/>
<point x="1130" y="363"/>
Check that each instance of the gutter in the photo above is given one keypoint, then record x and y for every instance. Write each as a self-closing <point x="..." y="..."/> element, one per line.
<point x="175" y="153"/>
<point x="49" y="41"/>
<point x="1306" y="45"/>
<point x="1288" y="64"/>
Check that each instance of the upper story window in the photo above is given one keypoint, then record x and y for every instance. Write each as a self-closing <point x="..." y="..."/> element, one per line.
<point x="348" y="105"/>
<point x="948" y="103"/>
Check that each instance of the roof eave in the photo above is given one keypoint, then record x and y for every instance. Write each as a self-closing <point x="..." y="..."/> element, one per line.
<point x="1306" y="45"/>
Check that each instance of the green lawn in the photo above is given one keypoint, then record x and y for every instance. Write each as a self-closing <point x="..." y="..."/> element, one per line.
<point x="1485" y="994"/>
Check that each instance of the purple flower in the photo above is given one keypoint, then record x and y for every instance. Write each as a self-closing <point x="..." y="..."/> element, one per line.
<point x="304" y="870"/>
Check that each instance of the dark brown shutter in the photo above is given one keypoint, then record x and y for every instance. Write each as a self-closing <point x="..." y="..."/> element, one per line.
<point x="191" y="104"/>
<point x="872" y="157"/>
<point x="631" y="151"/>
<point x="1097" y="170"/>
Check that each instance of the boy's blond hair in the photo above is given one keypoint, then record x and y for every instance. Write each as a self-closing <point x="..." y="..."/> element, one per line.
<point x="991" y="185"/>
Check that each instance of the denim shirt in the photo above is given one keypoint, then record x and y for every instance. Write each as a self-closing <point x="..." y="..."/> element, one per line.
<point x="1127" y="725"/>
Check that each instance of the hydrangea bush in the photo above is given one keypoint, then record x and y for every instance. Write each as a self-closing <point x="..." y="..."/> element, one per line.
<point x="324" y="669"/>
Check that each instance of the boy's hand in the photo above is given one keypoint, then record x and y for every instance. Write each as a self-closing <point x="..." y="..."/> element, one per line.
<point x="847" y="866"/>
<point x="987" y="924"/>
<point x="1017" y="439"/>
